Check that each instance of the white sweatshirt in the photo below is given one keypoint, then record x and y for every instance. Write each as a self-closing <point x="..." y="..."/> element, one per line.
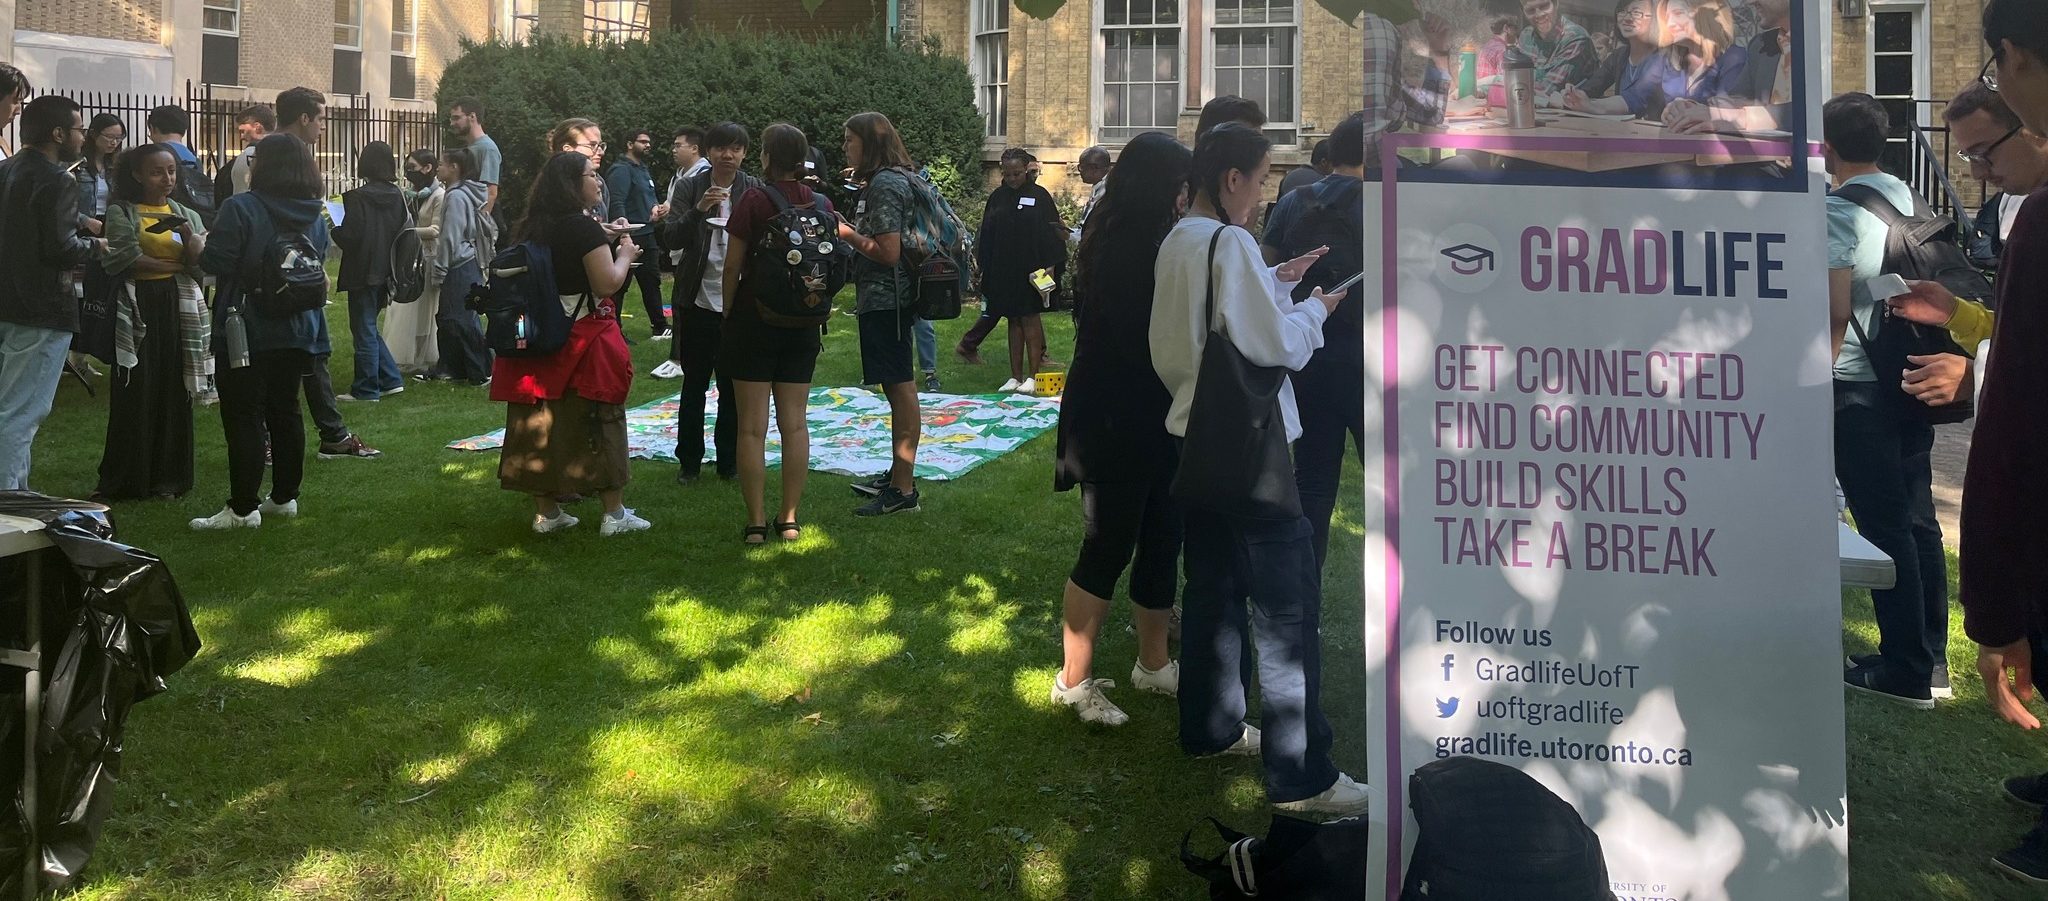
<point x="1256" y="311"/>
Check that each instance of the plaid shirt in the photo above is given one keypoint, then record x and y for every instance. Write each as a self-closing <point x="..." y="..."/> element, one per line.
<point x="1388" y="101"/>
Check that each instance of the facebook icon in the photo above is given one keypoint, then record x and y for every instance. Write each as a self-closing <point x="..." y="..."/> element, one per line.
<point x="1449" y="659"/>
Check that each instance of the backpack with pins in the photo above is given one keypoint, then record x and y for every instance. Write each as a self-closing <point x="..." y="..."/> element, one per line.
<point x="796" y="268"/>
<point x="290" y="277"/>
<point x="936" y="250"/>
<point x="1919" y="245"/>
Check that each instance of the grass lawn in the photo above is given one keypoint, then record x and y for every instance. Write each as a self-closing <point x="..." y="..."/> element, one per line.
<point x="405" y="693"/>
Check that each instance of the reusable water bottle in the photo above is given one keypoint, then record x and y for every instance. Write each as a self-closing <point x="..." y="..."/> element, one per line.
<point x="234" y="338"/>
<point x="1468" y="71"/>
<point x="1518" y="72"/>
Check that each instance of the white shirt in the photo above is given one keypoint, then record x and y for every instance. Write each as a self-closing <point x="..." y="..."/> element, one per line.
<point x="1253" y="305"/>
<point x="238" y="169"/>
<point x="2009" y="210"/>
<point x="711" y="294"/>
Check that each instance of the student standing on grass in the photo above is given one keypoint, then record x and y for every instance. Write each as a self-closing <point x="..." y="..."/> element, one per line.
<point x="687" y="148"/>
<point x="1240" y="568"/>
<point x="458" y="260"/>
<point x="565" y="415"/>
<point x="1020" y="234"/>
<point x="409" y="327"/>
<point x="466" y="122"/>
<point x="633" y="200"/>
<point x="886" y="301"/>
<point x="95" y="174"/>
<point x="372" y="216"/>
<point x="262" y="397"/>
<point x="766" y="360"/>
<point x="160" y="333"/>
<point x="1112" y="436"/>
<point x="254" y="123"/>
<point x="39" y="247"/>
<point x="2003" y="586"/>
<point x="697" y="213"/>
<point x="14" y="88"/>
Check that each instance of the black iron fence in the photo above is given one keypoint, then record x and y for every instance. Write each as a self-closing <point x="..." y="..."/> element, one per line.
<point x="352" y="121"/>
<point x="1923" y="156"/>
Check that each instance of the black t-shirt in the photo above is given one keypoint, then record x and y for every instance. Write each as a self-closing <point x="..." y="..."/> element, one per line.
<point x="569" y="237"/>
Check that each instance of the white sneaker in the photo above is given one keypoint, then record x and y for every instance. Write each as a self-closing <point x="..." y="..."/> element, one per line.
<point x="1009" y="387"/>
<point x="665" y="335"/>
<point x="1162" y="681"/>
<point x="288" y="509"/>
<point x="226" y="519"/>
<point x="390" y="391"/>
<point x="667" y="370"/>
<point x="1342" y="798"/>
<point x="1027" y="386"/>
<point x="562" y="520"/>
<point x="626" y="521"/>
<point x="1246" y="745"/>
<point x="1089" y="702"/>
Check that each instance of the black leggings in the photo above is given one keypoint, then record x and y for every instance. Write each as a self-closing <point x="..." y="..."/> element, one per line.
<point x="264" y="395"/>
<point x="1135" y="525"/>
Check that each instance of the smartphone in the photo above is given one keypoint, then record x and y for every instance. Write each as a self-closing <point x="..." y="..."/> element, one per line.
<point x="166" y="224"/>
<point x="1346" y="284"/>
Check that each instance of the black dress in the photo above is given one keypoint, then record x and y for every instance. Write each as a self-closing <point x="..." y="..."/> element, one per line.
<point x="1113" y="412"/>
<point x="1020" y="234"/>
<point x="149" y="410"/>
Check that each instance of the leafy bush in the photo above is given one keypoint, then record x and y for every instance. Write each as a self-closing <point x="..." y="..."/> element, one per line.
<point x="701" y="79"/>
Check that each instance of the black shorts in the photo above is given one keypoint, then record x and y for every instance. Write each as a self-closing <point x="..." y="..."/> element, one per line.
<point x="750" y="350"/>
<point x="886" y="352"/>
<point x="1134" y="526"/>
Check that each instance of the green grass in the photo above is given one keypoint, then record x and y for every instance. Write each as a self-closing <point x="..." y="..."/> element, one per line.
<point x="404" y="693"/>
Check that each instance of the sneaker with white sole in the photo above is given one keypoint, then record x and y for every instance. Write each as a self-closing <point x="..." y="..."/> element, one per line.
<point x="1162" y="681"/>
<point x="228" y="519"/>
<point x="667" y="370"/>
<point x="1089" y="702"/>
<point x="1342" y="798"/>
<point x="1246" y="745"/>
<point x="288" y="509"/>
<point x="561" y="520"/>
<point x="1009" y="387"/>
<point x="1027" y="386"/>
<point x="623" y="521"/>
<point x="665" y="335"/>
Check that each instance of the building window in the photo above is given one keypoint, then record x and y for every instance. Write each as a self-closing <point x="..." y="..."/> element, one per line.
<point x="1255" y="57"/>
<point x="1898" y="78"/>
<point x="521" y="20"/>
<point x="220" y="42"/>
<point x="1140" y="66"/>
<point x="405" y="42"/>
<point x="615" y="20"/>
<point x="992" y="65"/>
<point x="348" y="46"/>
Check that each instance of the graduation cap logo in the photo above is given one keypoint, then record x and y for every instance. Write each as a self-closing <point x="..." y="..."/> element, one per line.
<point x="1469" y="259"/>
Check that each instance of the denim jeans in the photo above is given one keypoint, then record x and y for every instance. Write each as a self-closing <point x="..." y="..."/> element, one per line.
<point x="31" y="362"/>
<point x="1882" y="459"/>
<point x="463" y="355"/>
<point x="1259" y="573"/>
<point x="927" y="337"/>
<point x="320" y="405"/>
<point x="376" y="371"/>
<point x="1330" y="393"/>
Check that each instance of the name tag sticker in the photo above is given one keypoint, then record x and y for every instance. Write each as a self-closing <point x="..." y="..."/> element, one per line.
<point x="860" y="208"/>
<point x="810" y="165"/>
<point x="1023" y="202"/>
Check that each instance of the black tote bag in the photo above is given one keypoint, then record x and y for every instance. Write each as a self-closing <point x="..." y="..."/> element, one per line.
<point x="1235" y="458"/>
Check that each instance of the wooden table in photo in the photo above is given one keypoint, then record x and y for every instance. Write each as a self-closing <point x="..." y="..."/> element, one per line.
<point x="1692" y="149"/>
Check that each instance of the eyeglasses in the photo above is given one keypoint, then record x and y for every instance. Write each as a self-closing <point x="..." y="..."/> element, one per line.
<point x="1985" y="156"/>
<point x="599" y="146"/>
<point x="1989" y="75"/>
<point x="1632" y="15"/>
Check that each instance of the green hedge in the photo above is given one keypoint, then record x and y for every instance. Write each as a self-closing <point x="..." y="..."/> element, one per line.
<point x="701" y="79"/>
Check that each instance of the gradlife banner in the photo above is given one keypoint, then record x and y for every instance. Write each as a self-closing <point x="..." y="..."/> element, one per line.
<point x="1599" y="505"/>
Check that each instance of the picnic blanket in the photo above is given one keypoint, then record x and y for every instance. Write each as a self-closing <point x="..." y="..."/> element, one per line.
<point x="850" y="431"/>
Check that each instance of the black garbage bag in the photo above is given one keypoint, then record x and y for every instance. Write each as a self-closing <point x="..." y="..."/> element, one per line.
<point x="113" y="627"/>
<point x="1299" y="860"/>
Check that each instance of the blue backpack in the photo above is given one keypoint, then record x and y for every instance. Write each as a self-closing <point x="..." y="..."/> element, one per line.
<point x="523" y="315"/>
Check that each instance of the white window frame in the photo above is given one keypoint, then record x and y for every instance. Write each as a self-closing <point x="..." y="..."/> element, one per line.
<point x="1209" y="31"/>
<point x="1921" y="52"/>
<point x="995" y="123"/>
<point x="1098" y="44"/>
<point x="624" y="20"/>
<point x="232" y="7"/>
<point x="405" y="31"/>
<point x="520" y="19"/>
<point x="340" y="43"/>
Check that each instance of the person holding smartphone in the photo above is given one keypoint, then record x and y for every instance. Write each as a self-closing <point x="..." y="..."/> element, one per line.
<point x="160" y="333"/>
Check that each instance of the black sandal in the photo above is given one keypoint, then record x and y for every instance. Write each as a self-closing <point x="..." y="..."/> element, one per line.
<point x="749" y="533"/>
<point x="790" y="526"/>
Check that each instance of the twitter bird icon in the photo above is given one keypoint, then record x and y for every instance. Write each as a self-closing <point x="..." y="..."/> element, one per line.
<point x="1446" y="709"/>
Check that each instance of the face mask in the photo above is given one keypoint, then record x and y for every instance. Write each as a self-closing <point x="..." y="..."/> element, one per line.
<point x="419" y="179"/>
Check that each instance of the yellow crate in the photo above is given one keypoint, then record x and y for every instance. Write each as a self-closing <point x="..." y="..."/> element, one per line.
<point x="1050" y="384"/>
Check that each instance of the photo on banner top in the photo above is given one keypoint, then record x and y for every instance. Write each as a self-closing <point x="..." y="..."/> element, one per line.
<point x="1630" y="93"/>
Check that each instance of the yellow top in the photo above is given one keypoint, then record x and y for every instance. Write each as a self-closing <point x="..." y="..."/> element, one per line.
<point x="165" y="246"/>
<point x="1971" y="324"/>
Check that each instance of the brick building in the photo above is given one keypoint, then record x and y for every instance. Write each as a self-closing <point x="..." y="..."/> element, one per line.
<point x="386" y="51"/>
<point x="1913" y="55"/>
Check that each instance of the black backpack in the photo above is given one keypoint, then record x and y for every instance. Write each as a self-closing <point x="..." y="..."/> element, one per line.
<point x="1336" y="225"/>
<point x="1298" y="860"/>
<point x="523" y="315"/>
<point x="1488" y="832"/>
<point x="794" y="271"/>
<point x="290" y="276"/>
<point x="195" y="190"/>
<point x="1921" y="246"/>
<point x="408" y="263"/>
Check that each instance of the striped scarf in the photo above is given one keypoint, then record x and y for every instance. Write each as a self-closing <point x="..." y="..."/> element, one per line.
<point x="195" y="338"/>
